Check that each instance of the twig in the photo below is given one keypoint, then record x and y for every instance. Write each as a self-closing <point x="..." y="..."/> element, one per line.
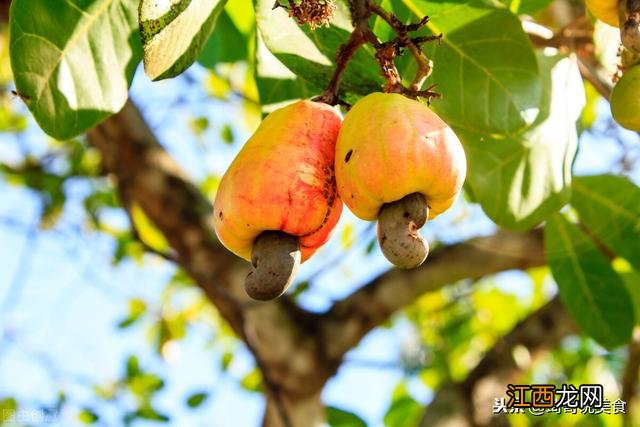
<point x="591" y="76"/>
<point x="386" y="52"/>
<point x="425" y="65"/>
<point x="345" y="53"/>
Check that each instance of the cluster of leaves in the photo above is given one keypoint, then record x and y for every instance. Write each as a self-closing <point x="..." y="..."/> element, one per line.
<point x="135" y="382"/>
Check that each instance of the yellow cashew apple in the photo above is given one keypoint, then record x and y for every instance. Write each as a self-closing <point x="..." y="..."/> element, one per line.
<point x="625" y="108"/>
<point x="397" y="161"/>
<point x="604" y="10"/>
<point x="277" y="203"/>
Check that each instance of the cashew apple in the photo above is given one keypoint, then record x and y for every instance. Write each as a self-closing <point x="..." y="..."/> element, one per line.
<point x="397" y="161"/>
<point x="604" y="10"/>
<point x="625" y="108"/>
<point x="277" y="203"/>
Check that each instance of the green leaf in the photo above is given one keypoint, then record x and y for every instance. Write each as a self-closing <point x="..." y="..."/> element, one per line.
<point x="197" y="399"/>
<point x="348" y="236"/>
<point x="226" y="44"/>
<point x="145" y="384"/>
<point x="148" y="412"/>
<point x="592" y="291"/>
<point x="107" y="391"/>
<point x="404" y="412"/>
<point x="276" y="83"/>
<point x="199" y="125"/>
<point x="8" y="407"/>
<point x="631" y="279"/>
<point x="337" y="417"/>
<point x="88" y="416"/>
<point x="227" y="134"/>
<point x="609" y="206"/>
<point x="225" y="360"/>
<point x="176" y="326"/>
<point x="252" y="381"/>
<point x="526" y="6"/>
<point x="311" y="54"/>
<point x="520" y="180"/>
<point x="233" y="37"/>
<point x="485" y="67"/>
<point x="133" y="367"/>
<point x="73" y="60"/>
<point x="147" y="231"/>
<point x="299" y="289"/>
<point x="137" y="307"/>
<point x="174" y="33"/>
<point x="371" y="246"/>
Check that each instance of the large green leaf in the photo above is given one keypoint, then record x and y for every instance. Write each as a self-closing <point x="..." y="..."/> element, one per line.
<point x="631" y="280"/>
<point x="485" y="66"/>
<point x="276" y="83"/>
<point x="233" y="36"/>
<point x="310" y="54"/>
<point x="520" y="180"/>
<point x="593" y="292"/>
<point x="73" y="60"/>
<point x="526" y="6"/>
<point x="609" y="206"/>
<point x="226" y="44"/>
<point x="174" y="33"/>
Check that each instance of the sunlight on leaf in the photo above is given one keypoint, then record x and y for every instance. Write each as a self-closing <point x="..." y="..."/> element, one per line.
<point x="147" y="231"/>
<point x="174" y="33"/>
<point x="593" y="292"/>
<point x="73" y="60"/>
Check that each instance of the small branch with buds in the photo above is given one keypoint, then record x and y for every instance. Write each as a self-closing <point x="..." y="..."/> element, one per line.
<point x="386" y="52"/>
<point x="425" y="65"/>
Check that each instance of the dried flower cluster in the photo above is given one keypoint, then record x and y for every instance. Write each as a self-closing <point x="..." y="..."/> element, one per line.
<point x="316" y="13"/>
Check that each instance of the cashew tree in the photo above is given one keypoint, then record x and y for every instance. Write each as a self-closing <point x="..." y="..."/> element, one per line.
<point x="511" y="95"/>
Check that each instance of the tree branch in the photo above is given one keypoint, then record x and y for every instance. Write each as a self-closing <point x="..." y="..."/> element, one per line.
<point x="146" y="174"/>
<point x="349" y="320"/>
<point x="468" y="403"/>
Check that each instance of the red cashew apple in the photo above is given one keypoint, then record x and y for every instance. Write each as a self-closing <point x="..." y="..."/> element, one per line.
<point x="397" y="161"/>
<point x="277" y="203"/>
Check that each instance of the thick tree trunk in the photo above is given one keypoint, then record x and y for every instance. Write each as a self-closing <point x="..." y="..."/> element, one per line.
<point x="307" y="411"/>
